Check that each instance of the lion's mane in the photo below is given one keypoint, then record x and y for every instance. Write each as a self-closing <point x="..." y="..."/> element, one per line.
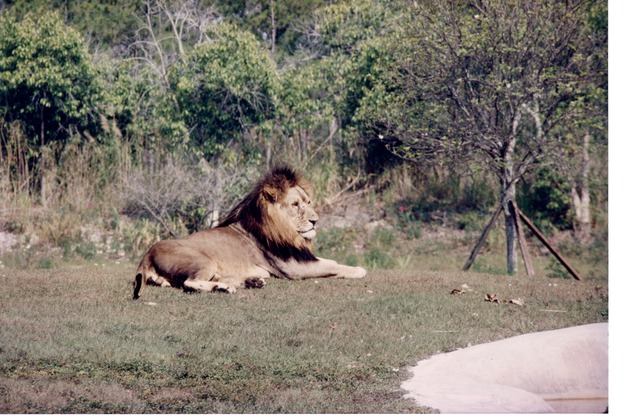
<point x="257" y="215"/>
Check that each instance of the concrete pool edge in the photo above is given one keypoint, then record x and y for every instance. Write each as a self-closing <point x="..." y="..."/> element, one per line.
<point x="531" y="373"/>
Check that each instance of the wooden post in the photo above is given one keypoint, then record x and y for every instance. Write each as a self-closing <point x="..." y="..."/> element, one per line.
<point x="521" y="239"/>
<point x="482" y="240"/>
<point x="544" y="240"/>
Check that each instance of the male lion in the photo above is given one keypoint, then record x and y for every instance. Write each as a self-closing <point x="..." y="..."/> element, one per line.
<point x="268" y="234"/>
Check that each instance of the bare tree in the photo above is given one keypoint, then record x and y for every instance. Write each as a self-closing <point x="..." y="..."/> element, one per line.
<point x="170" y="28"/>
<point x="493" y="82"/>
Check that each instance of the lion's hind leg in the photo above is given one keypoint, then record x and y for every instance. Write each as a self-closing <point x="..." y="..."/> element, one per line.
<point x="226" y="285"/>
<point x="252" y="282"/>
<point x="158" y="281"/>
<point x="205" y="279"/>
<point x="208" y="286"/>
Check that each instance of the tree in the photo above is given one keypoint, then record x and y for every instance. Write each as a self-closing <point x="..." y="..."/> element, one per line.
<point x="47" y="81"/>
<point x="586" y="139"/>
<point x="102" y="23"/>
<point x="277" y="23"/>
<point x="226" y="86"/>
<point x="336" y="64"/>
<point x="487" y="81"/>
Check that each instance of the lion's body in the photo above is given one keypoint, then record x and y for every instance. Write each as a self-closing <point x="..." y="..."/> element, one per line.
<point x="268" y="234"/>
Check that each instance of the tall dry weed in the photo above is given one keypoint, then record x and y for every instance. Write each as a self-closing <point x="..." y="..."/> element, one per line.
<point x="16" y="184"/>
<point x="74" y="187"/>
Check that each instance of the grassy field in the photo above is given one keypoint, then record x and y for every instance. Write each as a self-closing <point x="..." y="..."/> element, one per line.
<point x="73" y="341"/>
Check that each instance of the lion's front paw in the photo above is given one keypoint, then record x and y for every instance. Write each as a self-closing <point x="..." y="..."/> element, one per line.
<point x="359" y="272"/>
<point x="224" y="288"/>
<point x="255" y="283"/>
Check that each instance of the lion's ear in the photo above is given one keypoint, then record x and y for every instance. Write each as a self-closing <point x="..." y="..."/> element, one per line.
<point x="270" y="193"/>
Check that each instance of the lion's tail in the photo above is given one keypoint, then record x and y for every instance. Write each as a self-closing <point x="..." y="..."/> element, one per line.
<point x="139" y="283"/>
<point x="141" y="279"/>
<point x="145" y="273"/>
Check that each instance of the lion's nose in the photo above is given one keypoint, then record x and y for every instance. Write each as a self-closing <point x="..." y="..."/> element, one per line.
<point x="314" y="220"/>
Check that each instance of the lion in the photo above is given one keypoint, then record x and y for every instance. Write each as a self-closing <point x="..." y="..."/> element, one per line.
<point x="268" y="234"/>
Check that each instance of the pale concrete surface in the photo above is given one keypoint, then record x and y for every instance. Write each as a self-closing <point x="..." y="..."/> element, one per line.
<point x="563" y="370"/>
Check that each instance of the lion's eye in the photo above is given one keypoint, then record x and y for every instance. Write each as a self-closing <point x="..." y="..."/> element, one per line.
<point x="296" y="204"/>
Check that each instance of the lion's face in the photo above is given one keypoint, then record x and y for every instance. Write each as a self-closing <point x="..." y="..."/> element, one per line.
<point x="297" y="209"/>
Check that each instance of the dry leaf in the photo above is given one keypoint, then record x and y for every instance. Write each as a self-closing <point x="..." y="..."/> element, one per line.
<point x="457" y="292"/>
<point x="494" y="299"/>
<point x="491" y="298"/>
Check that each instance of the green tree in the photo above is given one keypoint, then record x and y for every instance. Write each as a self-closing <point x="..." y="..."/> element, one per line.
<point x="340" y="60"/>
<point x="225" y="87"/>
<point x="107" y="24"/>
<point x="140" y="107"/>
<point x="47" y="81"/>
<point x="277" y="23"/>
<point x="487" y="82"/>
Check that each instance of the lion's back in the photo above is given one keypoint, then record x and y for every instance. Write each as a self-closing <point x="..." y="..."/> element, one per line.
<point x="233" y="252"/>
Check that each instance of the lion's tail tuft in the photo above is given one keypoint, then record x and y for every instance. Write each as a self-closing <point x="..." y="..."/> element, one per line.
<point x="140" y="282"/>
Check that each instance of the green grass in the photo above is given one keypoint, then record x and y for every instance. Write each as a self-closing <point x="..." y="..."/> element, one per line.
<point x="440" y="249"/>
<point x="73" y="341"/>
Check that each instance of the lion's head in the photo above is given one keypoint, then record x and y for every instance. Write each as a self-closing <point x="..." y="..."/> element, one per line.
<point x="279" y="214"/>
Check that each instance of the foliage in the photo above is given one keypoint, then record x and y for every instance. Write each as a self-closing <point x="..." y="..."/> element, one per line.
<point x="287" y="17"/>
<point x="47" y="81"/>
<point x="491" y="82"/>
<point x="224" y="87"/>
<point x="342" y="27"/>
<point x="143" y="111"/>
<point x="103" y="23"/>
<point x="349" y="38"/>
<point x="94" y="94"/>
<point x="306" y="121"/>
<point x="475" y="76"/>
<point x="408" y="222"/>
<point x="547" y="199"/>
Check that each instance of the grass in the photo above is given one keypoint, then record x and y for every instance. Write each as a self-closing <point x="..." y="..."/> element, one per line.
<point x="73" y="341"/>
<point x="440" y="248"/>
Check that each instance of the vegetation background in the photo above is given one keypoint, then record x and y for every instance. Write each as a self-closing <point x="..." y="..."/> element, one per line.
<point x="127" y="121"/>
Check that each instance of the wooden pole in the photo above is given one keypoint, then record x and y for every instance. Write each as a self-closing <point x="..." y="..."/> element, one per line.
<point x="544" y="240"/>
<point x="529" y="269"/>
<point x="482" y="240"/>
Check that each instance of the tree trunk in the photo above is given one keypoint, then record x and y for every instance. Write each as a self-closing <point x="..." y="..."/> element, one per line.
<point x="508" y="193"/>
<point x="580" y="196"/>
<point x="273" y="29"/>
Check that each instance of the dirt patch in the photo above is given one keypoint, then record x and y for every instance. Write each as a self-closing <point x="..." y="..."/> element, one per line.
<point x="44" y="395"/>
<point x="168" y="395"/>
